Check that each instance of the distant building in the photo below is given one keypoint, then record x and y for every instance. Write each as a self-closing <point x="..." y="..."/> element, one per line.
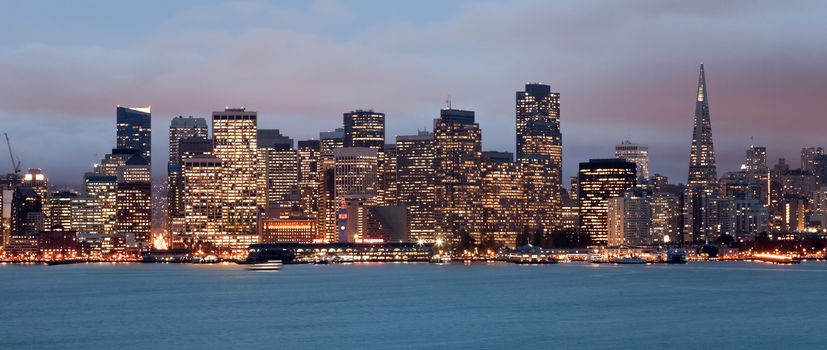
<point x="278" y="169"/>
<point x="203" y="198"/>
<point x="364" y="128"/>
<point x="308" y="177"/>
<point x="599" y="180"/>
<point x="808" y="157"/>
<point x="666" y="217"/>
<point x="103" y="188"/>
<point x="134" y="130"/>
<point x="503" y="199"/>
<point x="295" y="230"/>
<point x="355" y="186"/>
<point x="458" y="181"/>
<point x="416" y="175"/>
<point x="702" y="168"/>
<point x="235" y="138"/>
<point x="134" y="201"/>
<point x="328" y="205"/>
<point x="635" y="153"/>
<point x="540" y="154"/>
<point x="180" y="130"/>
<point x="27" y="220"/>
<point x="629" y="219"/>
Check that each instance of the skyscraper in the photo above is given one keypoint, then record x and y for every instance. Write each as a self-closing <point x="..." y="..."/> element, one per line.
<point x="808" y="156"/>
<point x="756" y="160"/>
<point x="355" y="189"/>
<point x="278" y="170"/>
<point x="599" y="180"/>
<point x="364" y="128"/>
<point x="415" y="183"/>
<point x="235" y="139"/>
<point x="202" y="199"/>
<point x="629" y="219"/>
<point x="184" y="128"/>
<point x="134" y="201"/>
<point x="702" y="170"/>
<point x="180" y="129"/>
<point x="103" y="188"/>
<point x="458" y="155"/>
<point x="329" y="141"/>
<point x="540" y="154"/>
<point x="134" y="130"/>
<point x="635" y="153"/>
<point x="502" y="199"/>
<point x="308" y="151"/>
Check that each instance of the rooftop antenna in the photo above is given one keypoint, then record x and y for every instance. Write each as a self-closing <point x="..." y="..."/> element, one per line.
<point x="448" y="102"/>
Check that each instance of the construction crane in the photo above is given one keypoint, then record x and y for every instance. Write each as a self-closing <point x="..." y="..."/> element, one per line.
<point x="15" y="163"/>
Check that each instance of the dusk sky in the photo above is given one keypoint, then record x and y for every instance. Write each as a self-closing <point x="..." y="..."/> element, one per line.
<point x="624" y="69"/>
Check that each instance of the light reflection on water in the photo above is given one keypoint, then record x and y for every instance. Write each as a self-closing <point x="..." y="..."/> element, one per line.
<point x="402" y="306"/>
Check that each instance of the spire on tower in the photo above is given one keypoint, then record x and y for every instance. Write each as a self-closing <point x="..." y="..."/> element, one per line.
<point x="701" y="85"/>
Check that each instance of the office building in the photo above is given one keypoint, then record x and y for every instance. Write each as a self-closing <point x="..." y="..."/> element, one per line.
<point x="635" y="153"/>
<point x="235" y="143"/>
<point x="629" y="219"/>
<point x="458" y="181"/>
<point x="134" y="202"/>
<point x="702" y="169"/>
<point x="415" y="163"/>
<point x="134" y="130"/>
<point x="203" y="199"/>
<point x="599" y="180"/>
<point x="502" y="199"/>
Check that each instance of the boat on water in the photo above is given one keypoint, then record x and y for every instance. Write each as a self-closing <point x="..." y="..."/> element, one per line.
<point x="676" y="256"/>
<point x="776" y="259"/>
<point x="270" y="265"/>
<point x="629" y="260"/>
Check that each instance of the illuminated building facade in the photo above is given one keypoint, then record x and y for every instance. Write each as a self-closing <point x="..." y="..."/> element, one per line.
<point x="540" y="154"/>
<point x="599" y="180"/>
<point x="27" y="219"/>
<point x="702" y="169"/>
<point x="288" y="231"/>
<point x="278" y="169"/>
<point x="416" y="174"/>
<point x="635" y="153"/>
<point x="134" y="201"/>
<point x="502" y="199"/>
<point x="666" y="215"/>
<point x="629" y="219"/>
<point x="329" y="141"/>
<point x="458" y="181"/>
<point x="87" y="215"/>
<point x="111" y="162"/>
<point x="364" y="128"/>
<point x="356" y="185"/>
<point x="308" y="176"/>
<point x="235" y="139"/>
<point x="134" y="130"/>
<point x="203" y="199"/>
<point x="808" y="157"/>
<point x="103" y="188"/>
<point x="180" y="129"/>
<point x="60" y="211"/>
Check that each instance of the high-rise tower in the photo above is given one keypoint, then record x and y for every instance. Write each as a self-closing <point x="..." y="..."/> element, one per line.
<point x="702" y="172"/>
<point x="540" y="154"/>
<point x="235" y="139"/>
<point x="135" y="130"/>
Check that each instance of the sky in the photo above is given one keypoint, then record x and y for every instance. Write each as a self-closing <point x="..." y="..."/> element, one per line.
<point x="626" y="70"/>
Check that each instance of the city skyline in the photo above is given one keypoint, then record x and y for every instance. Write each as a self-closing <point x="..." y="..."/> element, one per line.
<point x="642" y="100"/>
